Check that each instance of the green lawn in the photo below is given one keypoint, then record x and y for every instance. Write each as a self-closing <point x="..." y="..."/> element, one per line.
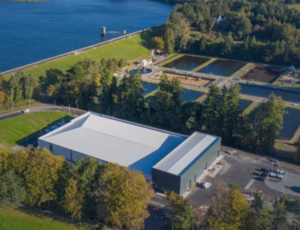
<point x="133" y="49"/>
<point x="17" y="128"/>
<point x="17" y="220"/>
<point x="295" y="6"/>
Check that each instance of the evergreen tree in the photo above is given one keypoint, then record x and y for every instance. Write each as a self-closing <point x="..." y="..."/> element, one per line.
<point x="12" y="191"/>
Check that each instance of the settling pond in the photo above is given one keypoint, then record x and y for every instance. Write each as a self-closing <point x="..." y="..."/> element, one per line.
<point x="291" y="95"/>
<point x="291" y="122"/>
<point x="149" y="87"/>
<point x="222" y="68"/>
<point x="189" y="95"/>
<point x="186" y="63"/>
<point x="242" y="102"/>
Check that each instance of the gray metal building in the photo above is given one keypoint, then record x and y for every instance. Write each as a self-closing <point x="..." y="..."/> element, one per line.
<point x="172" y="161"/>
<point x="186" y="163"/>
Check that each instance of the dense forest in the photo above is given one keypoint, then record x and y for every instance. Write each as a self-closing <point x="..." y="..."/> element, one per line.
<point x="268" y="31"/>
<point x="92" y="86"/>
<point x="90" y="192"/>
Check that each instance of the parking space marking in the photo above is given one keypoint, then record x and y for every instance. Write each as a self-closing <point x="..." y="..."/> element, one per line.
<point x="249" y="184"/>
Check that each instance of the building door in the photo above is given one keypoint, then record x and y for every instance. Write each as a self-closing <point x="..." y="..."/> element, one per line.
<point x="195" y="178"/>
<point x="190" y="184"/>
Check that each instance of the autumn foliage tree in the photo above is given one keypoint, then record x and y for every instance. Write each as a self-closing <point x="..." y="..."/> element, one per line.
<point x="228" y="210"/>
<point x="122" y="197"/>
<point x="158" y="43"/>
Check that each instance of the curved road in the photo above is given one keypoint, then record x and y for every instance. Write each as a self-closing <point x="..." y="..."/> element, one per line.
<point x="74" y="111"/>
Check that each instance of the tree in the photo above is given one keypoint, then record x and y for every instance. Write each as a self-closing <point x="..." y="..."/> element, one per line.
<point x="82" y="175"/>
<point x="228" y="210"/>
<point x="2" y="96"/>
<point x="265" y="123"/>
<point x="222" y="114"/>
<point x="41" y="175"/>
<point x="180" y="210"/>
<point x="202" y="46"/>
<point x="280" y="215"/>
<point x="73" y="200"/>
<point x="122" y="197"/>
<point x="169" y="41"/>
<point x="168" y="102"/>
<point x="158" y="43"/>
<point x="12" y="191"/>
<point x="130" y="96"/>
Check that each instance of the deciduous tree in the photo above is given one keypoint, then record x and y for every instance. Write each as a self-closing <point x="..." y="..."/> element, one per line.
<point x="123" y="196"/>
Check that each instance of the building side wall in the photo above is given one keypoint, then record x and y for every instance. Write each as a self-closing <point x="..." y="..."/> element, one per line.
<point x="166" y="181"/>
<point x="69" y="154"/>
<point x="195" y="171"/>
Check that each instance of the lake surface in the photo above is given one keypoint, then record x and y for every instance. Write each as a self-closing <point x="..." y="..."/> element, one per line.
<point x="222" y="68"/>
<point x="34" y="31"/>
<point x="186" y="63"/>
<point x="261" y="91"/>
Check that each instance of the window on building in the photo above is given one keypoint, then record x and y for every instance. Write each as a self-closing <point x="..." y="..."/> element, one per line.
<point x="71" y="155"/>
<point x="50" y="147"/>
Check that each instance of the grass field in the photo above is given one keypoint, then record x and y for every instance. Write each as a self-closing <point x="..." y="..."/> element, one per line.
<point x="17" y="220"/>
<point x="295" y="6"/>
<point x="133" y="49"/>
<point x="18" y="128"/>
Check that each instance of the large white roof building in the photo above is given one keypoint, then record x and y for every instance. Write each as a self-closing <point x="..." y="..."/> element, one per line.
<point x="112" y="140"/>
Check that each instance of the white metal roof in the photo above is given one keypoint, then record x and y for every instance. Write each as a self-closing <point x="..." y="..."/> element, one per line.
<point x="113" y="140"/>
<point x="186" y="153"/>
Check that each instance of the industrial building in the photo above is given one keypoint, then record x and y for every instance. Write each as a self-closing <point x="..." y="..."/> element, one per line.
<point x="172" y="161"/>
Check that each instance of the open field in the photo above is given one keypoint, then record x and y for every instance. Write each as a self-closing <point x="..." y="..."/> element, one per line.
<point x="186" y="80"/>
<point x="134" y="48"/>
<point x="295" y="6"/>
<point x="15" y="129"/>
<point x="17" y="220"/>
<point x="261" y="74"/>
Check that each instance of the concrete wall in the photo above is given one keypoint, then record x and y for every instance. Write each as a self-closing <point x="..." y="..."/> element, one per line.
<point x="166" y="181"/>
<point x="196" y="169"/>
<point x="61" y="151"/>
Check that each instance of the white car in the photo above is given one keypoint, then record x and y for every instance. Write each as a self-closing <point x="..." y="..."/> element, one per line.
<point x="206" y="185"/>
<point x="25" y="111"/>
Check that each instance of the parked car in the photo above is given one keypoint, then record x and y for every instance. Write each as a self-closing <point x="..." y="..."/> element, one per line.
<point x="25" y="111"/>
<point x="264" y="170"/>
<point x="272" y="174"/>
<point x="206" y="185"/>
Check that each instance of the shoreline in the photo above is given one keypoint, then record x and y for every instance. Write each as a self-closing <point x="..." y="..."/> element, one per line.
<point x="73" y="52"/>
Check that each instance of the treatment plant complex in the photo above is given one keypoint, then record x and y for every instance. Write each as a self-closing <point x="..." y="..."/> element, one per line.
<point x="173" y="162"/>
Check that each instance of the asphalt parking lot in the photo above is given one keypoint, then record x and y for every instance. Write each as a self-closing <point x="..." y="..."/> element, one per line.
<point x="238" y="169"/>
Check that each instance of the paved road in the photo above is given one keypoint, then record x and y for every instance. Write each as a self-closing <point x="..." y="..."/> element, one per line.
<point x="73" y="111"/>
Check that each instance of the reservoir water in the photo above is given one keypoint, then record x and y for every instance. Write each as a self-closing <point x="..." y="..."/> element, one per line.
<point x="32" y="31"/>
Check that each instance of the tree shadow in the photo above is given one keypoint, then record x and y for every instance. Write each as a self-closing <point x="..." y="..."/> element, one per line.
<point x="32" y="139"/>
